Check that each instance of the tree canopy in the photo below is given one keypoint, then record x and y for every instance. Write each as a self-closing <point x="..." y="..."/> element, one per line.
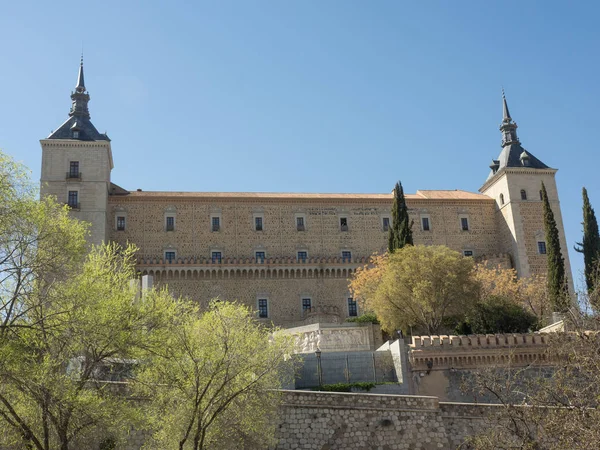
<point x="401" y="226"/>
<point x="417" y="287"/>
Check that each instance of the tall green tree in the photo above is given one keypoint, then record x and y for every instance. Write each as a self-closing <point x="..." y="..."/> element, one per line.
<point x="213" y="383"/>
<point x="557" y="281"/>
<point x="590" y="245"/>
<point x="401" y="227"/>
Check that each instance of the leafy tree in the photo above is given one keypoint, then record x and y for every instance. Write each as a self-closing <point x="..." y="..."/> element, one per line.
<point x="531" y="293"/>
<point x="51" y="396"/>
<point x="213" y="380"/>
<point x="401" y="229"/>
<point x="417" y="286"/>
<point x="590" y="245"/>
<point x="557" y="282"/>
<point x="498" y="315"/>
<point x="38" y="243"/>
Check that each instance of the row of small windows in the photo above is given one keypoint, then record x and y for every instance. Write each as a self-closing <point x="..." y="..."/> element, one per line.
<point x="217" y="256"/>
<point x="263" y="307"/>
<point x="523" y="196"/>
<point x="258" y="222"/>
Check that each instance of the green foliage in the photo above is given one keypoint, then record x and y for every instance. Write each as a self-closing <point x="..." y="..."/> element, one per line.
<point x="590" y="244"/>
<point x="213" y="381"/>
<point x="497" y="315"/>
<point x="345" y="387"/>
<point x="364" y="318"/>
<point x="557" y="282"/>
<point x="417" y="287"/>
<point x="401" y="226"/>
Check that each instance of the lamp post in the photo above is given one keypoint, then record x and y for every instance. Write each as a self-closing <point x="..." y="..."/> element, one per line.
<point x="319" y="371"/>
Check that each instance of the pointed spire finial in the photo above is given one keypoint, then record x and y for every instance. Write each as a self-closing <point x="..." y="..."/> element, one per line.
<point x="80" y="81"/>
<point x="505" y="113"/>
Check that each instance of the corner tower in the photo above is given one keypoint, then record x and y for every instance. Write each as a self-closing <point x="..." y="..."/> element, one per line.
<point x="76" y="164"/>
<point x="515" y="183"/>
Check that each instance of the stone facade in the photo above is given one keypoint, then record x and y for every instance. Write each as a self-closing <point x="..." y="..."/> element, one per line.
<point x="292" y="253"/>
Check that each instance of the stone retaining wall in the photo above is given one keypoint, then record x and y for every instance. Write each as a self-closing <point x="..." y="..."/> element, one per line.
<point x="327" y="421"/>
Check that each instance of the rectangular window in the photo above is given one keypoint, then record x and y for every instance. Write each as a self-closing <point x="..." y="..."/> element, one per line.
<point x="347" y="256"/>
<point x="170" y="256"/>
<point x="464" y="224"/>
<point x="74" y="169"/>
<point x="468" y="252"/>
<point x="352" y="308"/>
<point x="170" y="223"/>
<point x="425" y="223"/>
<point x="216" y="257"/>
<point x="73" y="200"/>
<point x="263" y="308"/>
<point x="300" y="223"/>
<point x="386" y="223"/>
<point x="306" y="305"/>
<point x="541" y="247"/>
<point x="120" y="223"/>
<point x="302" y="256"/>
<point x="258" y="223"/>
<point x="260" y="257"/>
<point x="216" y="223"/>
<point x="343" y="223"/>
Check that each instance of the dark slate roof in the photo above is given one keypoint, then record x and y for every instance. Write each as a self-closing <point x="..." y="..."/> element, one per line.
<point x="510" y="156"/>
<point x="115" y="189"/>
<point x="87" y="131"/>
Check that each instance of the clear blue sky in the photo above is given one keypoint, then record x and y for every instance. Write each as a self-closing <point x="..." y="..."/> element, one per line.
<point x="311" y="96"/>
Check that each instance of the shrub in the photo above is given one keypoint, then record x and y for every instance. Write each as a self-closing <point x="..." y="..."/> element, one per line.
<point x="364" y="318"/>
<point x="498" y="315"/>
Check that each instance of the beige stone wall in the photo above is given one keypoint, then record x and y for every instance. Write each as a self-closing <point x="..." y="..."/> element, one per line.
<point x="322" y="238"/>
<point x="281" y="279"/>
<point x="95" y="164"/>
<point x="521" y="222"/>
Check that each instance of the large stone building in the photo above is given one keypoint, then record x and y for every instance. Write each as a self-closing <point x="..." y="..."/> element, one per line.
<point x="290" y="255"/>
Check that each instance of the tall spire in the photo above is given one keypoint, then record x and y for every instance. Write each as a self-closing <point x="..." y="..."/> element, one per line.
<point x="80" y="98"/>
<point x="508" y="126"/>
<point x="80" y="82"/>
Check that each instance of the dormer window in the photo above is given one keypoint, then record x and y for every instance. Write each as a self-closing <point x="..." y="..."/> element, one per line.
<point x="75" y="134"/>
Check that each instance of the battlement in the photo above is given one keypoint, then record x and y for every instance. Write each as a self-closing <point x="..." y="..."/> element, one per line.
<point x="477" y="341"/>
<point x="477" y="351"/>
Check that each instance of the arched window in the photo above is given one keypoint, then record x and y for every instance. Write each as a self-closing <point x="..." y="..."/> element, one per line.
<point x="502" y="199"/>
<point x="523" y="194"/>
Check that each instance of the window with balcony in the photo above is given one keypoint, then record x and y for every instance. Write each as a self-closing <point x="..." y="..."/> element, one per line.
<point x="263" y="308"/>
<point x="260" y="257"/>
<point x="216" y="257"/>
<point x="302" y="256"/>
<point x="170" y="257"/>
<point x="347" y="256"/>
<point x="73" y="169"/>
<point x="120" y="223"/>
<point x="352" y="307"/>
<point x="73" y="199"/>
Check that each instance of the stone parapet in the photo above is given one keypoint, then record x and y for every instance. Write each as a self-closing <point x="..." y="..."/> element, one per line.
<point x="339" y="400"/>
<point x="428" y="353"/>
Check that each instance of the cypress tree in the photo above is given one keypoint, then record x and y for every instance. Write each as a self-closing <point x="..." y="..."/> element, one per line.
<point x="401" y="227"/>
<point x="590" y="245"/>
<point x="557" y="283"/>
